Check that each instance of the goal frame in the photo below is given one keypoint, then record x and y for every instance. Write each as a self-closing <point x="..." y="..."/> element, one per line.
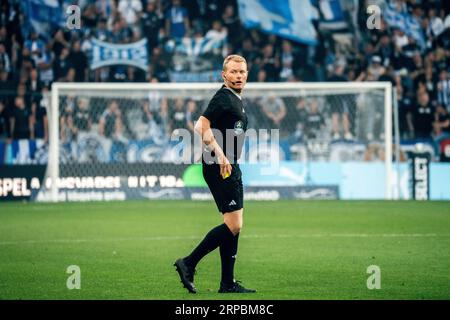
<point x="58" y="87"/>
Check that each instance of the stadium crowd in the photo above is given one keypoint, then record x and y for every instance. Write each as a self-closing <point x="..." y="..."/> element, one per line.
<point x="29" y="63"/>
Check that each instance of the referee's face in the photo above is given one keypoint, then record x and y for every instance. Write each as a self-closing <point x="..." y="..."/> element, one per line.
<point x="235" y="75"/>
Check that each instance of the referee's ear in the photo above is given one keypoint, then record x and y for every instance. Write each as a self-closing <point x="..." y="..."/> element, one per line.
<point x="224" y="78"/>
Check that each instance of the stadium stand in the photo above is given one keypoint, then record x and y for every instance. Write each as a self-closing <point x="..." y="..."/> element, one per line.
<point x="30" y="61"/>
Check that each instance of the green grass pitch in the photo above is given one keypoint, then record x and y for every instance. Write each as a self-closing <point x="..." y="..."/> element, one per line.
<point x="287" y="249"/>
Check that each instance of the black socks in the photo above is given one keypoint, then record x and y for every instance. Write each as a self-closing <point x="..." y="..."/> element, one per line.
<point x="228" y="252"/>
<point x="212" y="240"/>
<point x="218" y="236"/>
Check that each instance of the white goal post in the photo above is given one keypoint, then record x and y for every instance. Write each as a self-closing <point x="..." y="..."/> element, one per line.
<point x="140" y="90"/>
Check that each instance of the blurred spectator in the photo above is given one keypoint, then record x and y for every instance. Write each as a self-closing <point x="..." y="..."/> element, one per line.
<point x="20" y="121"/>
<point x="62" y="64"/>
<point x="338" y="105"/>
<point x="70" y="76"/>
<point x="301" y="113"/>
<point x="422" y="117"/>
<point x="8" y="87"/>
<point x="159" y="65"/>
<point x="110" y="124"/>
<point x="121" y="33"/>
<point x="22" y="92"/>
<point x="26" y="63"/>
<point x="287" y="61"/>
<point x="214" y="8"/>
<point x="375" y="68"/>
<point x="59" y="42"/>
<point x="314" y="121"/>
<point x="68" y="132"/>
<point x="233" y="25"/>
<point x="45" y="66"/>
<point x="248" y="51"/>
<point x="5" y="61"/>
<point x="428" y="80"/>
<point x="443" y="89"/>
<point x="385" y="49"/>
<point x="4" y="125"/>
<point x="374" y="152"/>
<point x="274" y="109"/>
<point x="101" y="32"/>
<point x="400" y="38"/>
<point x="34" y="86"/>
<point x="262" y="76"/>
<point x="135" y="74"/>
<point x="104" y="8"/>
<point x="441" y="125"/>
<point x="130" y="9"/>
<point x="39" y="115"/>
<point x="192" y="114"/>
<point x="155" y="115"/>
<point x="89" y="16"/>
<point x="79" y="61"/>
<point x="270" y="63"/>
<point x="34" y="45"/>
<point x="178" y="116"/>
<point x="177" y="20"/>
<point x="151" y="23"/>
<point x="404" y="103"/>
<point x="435" y="26"/>
<point x="217" y="31"/>
<point x="81" y="117"/>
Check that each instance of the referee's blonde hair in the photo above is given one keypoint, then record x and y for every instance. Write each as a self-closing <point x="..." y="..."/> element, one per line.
<point x="235" y="58"/>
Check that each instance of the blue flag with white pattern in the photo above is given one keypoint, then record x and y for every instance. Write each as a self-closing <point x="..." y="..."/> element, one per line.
<point x="291" y="19"/>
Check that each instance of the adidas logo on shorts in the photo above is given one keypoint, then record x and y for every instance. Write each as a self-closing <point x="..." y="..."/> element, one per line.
<point x="232" y="203"/>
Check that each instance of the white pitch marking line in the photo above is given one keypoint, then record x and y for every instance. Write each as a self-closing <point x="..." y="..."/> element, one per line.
<point x="162" y="238"/>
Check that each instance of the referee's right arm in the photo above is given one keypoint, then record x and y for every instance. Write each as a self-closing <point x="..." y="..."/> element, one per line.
<point x="203" y="127"/>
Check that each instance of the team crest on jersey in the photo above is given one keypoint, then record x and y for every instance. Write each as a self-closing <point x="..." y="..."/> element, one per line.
<point x="238" y="127"/>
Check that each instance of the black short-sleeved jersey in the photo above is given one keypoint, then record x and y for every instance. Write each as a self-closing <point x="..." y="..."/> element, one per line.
<point x="226" y="113"/>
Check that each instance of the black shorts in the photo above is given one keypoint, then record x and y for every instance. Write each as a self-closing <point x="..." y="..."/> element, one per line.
<point x="228" y="193"/>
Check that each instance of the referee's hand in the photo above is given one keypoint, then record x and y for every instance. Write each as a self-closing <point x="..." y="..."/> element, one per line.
<point x="225" y="166"/>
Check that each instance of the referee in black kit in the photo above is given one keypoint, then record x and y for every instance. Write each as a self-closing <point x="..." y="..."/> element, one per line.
<point x="225" y="115"/>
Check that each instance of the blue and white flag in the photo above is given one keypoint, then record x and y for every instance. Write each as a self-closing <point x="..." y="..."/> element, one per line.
<point x="291" y="19"/>
<point x="25" y="151"/>
<point x="196" y="46"/>
<point x="43" y="16"/>
<point x="332" y="15"/>
<point x="107" y="54"/>
<point x="405" y="22"/>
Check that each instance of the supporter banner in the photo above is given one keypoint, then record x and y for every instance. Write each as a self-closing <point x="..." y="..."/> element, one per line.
<point x="106" y="54"/>
<point x="286" y="18"/>
<point x="404" y="21"/>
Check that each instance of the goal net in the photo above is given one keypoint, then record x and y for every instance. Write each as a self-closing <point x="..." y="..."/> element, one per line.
<point x="136" y="140"/>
